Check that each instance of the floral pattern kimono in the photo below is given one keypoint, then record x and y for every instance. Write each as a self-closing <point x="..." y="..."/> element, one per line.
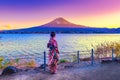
<point x="53" y="55"/>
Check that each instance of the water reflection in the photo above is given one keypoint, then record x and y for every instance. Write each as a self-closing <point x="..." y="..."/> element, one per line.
<point x="36" y="43"/>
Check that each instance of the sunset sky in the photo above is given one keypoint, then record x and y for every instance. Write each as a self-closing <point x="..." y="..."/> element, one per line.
<point x="27" y="13"/>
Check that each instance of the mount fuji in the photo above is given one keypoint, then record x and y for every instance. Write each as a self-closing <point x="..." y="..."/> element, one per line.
<point x="61" y="25"/>
<point x="61" y="22"/>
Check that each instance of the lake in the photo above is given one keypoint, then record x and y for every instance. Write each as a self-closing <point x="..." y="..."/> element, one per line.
<point x="36" y="43"/>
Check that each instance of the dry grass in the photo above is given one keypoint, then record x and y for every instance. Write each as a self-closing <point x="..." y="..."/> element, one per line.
<point x="31" y="63"/>
<point x="20" y="63"/>
<point x="105" y="49"/>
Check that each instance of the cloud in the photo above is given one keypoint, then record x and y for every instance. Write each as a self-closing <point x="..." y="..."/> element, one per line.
<point x="5" y="27"/>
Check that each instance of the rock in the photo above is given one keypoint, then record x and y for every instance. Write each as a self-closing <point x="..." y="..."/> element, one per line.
<point x="117" y="60"/>
<point x="42" y="66"/>
<point x="106" y="61"/>
<point x="9" y="70"/>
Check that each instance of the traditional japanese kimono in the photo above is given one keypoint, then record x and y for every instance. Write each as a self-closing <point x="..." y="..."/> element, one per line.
<point x="53" y="55"/>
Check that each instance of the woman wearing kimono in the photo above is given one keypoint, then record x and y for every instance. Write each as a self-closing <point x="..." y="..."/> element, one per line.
<point x="53" y="53"/>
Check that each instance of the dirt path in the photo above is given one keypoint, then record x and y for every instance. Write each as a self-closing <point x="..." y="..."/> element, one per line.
<point x="109" y="71"/>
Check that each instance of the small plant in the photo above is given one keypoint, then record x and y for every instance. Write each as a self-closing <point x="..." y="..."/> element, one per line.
<point x="32" y="63"/>
<point x="74" y="58"/>
<point x="1" y="60"/>
<point x="17" y="60"/>
<point x="63" y="61"/>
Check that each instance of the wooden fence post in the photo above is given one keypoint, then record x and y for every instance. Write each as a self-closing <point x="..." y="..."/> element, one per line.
<point x="78" y="56"/>
<point x="92" y="57"/>
<point x="44" y="61"/>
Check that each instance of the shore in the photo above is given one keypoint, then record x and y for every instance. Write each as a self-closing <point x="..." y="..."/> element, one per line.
<point x="71" y="71"/>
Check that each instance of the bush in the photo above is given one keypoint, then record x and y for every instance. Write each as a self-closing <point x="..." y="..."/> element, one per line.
<point x="74" y="58"/>
<point x="62" y="61"/>
<point x="1" y="60"/>
<point x="16" y="62"/>
<point x="105" y="49"/>
<point x="31" y="63"/>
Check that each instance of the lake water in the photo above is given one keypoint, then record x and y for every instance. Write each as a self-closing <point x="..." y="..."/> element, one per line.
<point x="36" y="43"/>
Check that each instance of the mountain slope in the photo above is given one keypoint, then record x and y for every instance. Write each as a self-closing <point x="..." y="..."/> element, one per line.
<point x="60" y="25"/>
<point x="61" y="22"/>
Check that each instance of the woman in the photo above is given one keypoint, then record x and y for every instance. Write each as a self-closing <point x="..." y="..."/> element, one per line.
<point x="53" y="53"/>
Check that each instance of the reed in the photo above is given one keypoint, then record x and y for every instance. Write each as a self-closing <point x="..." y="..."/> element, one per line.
<point x="105" y="49"/>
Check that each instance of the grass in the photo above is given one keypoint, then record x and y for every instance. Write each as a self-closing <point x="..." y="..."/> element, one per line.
<point x="63" y="61"/>
<point x="31" y="63"/>
<point x="17" y="63"/>
<point x="1" y="60"/>
<point x="105" y="49"/>
<point x="74" y="58"/>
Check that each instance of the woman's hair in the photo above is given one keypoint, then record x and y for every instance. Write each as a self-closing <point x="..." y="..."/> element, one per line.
<point x="52" y="34"/>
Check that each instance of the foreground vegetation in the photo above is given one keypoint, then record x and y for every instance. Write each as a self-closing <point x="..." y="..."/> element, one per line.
<point x="17" y="63"/>
<point x="101" y="50"/>
<point x="105" y="49"/>
<point x="29" y="63"/>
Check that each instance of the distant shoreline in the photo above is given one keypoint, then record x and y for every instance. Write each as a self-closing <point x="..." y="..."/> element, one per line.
<point x="60" y="33"/>
<point x="61" y="30"/>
